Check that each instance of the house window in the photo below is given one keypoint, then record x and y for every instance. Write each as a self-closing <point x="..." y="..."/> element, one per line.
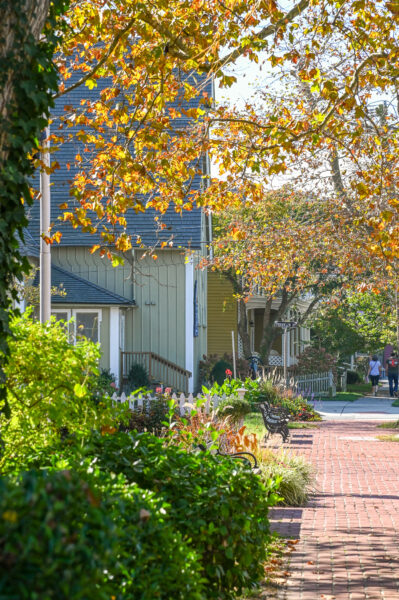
<point x="60" y="315"/>
<point x="87" y="324"/>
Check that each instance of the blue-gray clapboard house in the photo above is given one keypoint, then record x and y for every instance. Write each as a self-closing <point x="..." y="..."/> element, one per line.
<point x="152" y="312"/>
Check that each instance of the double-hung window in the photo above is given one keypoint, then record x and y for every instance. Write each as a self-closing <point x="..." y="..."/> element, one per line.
<point x="87" y="322"/>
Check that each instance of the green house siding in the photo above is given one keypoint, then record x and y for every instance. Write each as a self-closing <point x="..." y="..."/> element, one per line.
<point x="158" y="323"/>
<point x="222" y="315"/>
<point x="95" y="269"/>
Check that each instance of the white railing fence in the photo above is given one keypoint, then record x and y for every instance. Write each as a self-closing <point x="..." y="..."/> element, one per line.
<point x="186" y="404"/>
<point x="319" y="384"/>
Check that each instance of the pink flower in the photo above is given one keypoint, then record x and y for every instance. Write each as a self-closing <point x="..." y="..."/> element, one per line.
<point x="158" y="390"/>
<point x="168" y="390"/>
<point x="113" y="384"/>
<point x="228" y="373"/>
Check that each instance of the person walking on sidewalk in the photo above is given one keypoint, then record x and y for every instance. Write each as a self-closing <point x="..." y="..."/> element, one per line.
<point x="393" y="370"/>
<point x="374" y="374"/>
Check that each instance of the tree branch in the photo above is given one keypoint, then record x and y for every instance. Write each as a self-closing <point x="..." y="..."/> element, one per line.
<point x="98" y="65"/>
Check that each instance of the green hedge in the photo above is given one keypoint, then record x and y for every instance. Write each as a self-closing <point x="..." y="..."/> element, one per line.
<point x="219" y="507"/>
<point x="55" y="541"/>
<point x="60" y="540"/>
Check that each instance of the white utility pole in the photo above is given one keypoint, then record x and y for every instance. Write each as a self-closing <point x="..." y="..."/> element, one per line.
<point x="45" y="256"/>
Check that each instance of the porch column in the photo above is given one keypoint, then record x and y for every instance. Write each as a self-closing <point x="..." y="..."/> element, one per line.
<point x="114" y="350"/>
<point x="288" y="348"/>
<point x="189" y="310"/>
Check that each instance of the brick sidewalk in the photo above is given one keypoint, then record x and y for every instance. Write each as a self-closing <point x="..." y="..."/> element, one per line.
<point x="349" y="531"/>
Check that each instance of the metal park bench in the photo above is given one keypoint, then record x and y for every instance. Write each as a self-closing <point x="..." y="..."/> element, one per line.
<point x="275" y="419"/>
<point x="247" y="458"/>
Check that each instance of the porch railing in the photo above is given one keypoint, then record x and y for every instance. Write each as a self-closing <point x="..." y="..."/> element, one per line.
<point x="159" y="370"/>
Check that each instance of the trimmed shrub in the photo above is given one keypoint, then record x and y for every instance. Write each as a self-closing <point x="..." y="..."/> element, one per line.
<point x="59" y="540"/>
<point x="137" y="378"/>
<point x="55" y="541"/>
<point x="353" y="377"/>
<point x="219" y="506"/>
<point x="153" y="561"/>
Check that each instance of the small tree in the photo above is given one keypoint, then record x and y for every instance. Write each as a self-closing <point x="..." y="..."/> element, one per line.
<point x="316" y="360"/>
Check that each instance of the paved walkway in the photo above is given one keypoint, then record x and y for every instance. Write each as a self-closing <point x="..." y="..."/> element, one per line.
<point x="377" y="408"/>
<point x="349" y="531"/>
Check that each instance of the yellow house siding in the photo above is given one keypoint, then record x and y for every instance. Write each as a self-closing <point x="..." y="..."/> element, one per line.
<point x="222" y="315"/>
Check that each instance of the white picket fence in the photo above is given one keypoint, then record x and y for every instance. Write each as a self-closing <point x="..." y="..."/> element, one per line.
<point x="186" y="404"/>
<point x="319" y="384"/>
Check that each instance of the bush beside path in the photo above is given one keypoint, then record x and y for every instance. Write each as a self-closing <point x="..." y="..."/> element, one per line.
<point x="348" y="532"/>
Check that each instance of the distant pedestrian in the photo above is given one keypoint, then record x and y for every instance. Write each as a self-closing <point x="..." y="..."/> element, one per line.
<point x="393" y="370"/>
<point x="374" y="374"/>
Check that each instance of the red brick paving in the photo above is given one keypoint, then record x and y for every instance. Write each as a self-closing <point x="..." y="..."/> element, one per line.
<point x="349" y="531"/>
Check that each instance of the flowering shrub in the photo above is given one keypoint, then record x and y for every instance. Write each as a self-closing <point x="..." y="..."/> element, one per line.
<point x="300" y="409"/>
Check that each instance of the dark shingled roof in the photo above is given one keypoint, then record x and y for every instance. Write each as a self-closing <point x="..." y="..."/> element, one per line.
<point x="185" y="227"/>
<point x="81" y="291"/>
<point x="30" y="246"/>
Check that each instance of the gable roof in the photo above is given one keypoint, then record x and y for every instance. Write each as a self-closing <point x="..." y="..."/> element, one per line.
<point x="81" y="291"/>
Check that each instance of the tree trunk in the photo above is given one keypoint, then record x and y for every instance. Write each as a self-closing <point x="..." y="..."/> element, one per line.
<point x="20" y="19"/>
<point x="269" y="332"/>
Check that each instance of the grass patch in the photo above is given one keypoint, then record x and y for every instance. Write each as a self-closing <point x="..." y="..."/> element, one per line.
<point x="254" y="424"/>
<point x="303" y="425"/>
<point x="395" y="402"/>
<point x="389" y="425"/>
<point x="393" y="437"/>
<point x="343" y="397"/>
<point x="359" y="388"/>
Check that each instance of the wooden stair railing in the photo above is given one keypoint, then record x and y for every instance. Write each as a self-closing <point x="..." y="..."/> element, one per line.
<point x="159" y="370"/>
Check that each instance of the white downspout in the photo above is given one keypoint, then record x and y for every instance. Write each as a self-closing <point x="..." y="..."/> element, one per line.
<point x="189" y="311"/>
<point x="114" y="350"/>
